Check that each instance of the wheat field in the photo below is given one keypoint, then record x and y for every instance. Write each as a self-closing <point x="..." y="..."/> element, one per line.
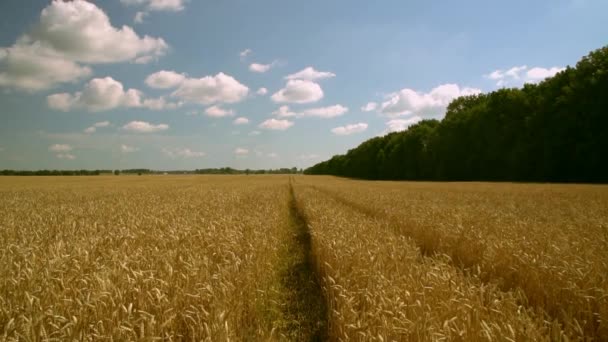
<point x="300" y="258"/>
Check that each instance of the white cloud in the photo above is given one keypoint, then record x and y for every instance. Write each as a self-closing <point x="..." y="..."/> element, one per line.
<point x="60" y="148"/>
<point x="254" y="133"/>
<point x="245" y="53"/>
<point x="66" y="156"/>
<point x="241" y="151"/>
<point x="68" y="33"/>
<point x="519" y="75"/>
<point x="325" y="112"/>
<point x="431" y="104"/>
<point x="321" y="112"/>
<point x="272" y="155"/>
<point x="158" y="5"/>
<point x="96" y="125"/>
<point x="102" y="94"/>
<point x="218" y="112"/>
<point x="99" y="94"/>
<point x="260" y="68"/>
<point x="369" y="107"/>
<point x="241" y="121"/>
<point x="165" y="79"/>
<point x="274" y="124"/>
<point x="144" y="127"/>
<point x="262" y="91"/>
<point x="350" y="129"/>
<point x="284" y="112"/>
<point x="82" y="32"/>
<point x="139" y="17"/>
<point x="220" y="88"/>
<point x="160" y="104"/>
<point x="128" y="149"/>
<point x="539" y="74"/>
<point x="398" y="125"/>
<point x="34" y="68"/>
<point x="102" y="124"/>
<point x="144" y="59"/>
<point x="299" y="91"/>
<point x="310" y="74"/>
<point x="182" y="153"/>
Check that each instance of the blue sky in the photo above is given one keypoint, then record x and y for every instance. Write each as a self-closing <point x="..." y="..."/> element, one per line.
<point x="177" y="84"/>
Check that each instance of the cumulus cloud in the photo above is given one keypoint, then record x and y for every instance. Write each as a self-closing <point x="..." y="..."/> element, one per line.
<point x="245" y="53"/>
<point x="102" y="94"/>
<point x="160" y="103"/>
<point x="241" y="121"/>
<point x="284" y="112"/>
<point x="350" y="129"/>
<point x="144" y="127"/>
<point x="165" y="79"/>
<point x="182" y="153"/>
<point x="143" y="60"/>
<point x="60" y="148"/>
<point x="68" y="33"/>
<point x="260" y="68"/>
<point x="432" y="104"/>
<point x="66" y="156"/>
<point x="158" y="5"/>
<point x="139" y="17"/>
<point x="398" y="125"/>
<point x="220" y="88"/>
<point x="325" y="112"/>
<point x="218" y="112"/>
<point x="310" y="74"/>
<point x="34" y="68"/>
<point x="277" y="125"/>
<point x="93" y="128"/>
<point x="369" y="107"/>
<point x="99" y="94"/>
<point x="519" y="75"/>
<point x="80" y="30"/>
<point x="241" y="151"/>
<point x="321" y="112"/>
<point x="128" y="149"/>
<point x="299" y="91"/>
<point x="262" y="91"/>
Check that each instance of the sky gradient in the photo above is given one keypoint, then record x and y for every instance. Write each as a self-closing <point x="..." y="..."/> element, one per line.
<point x="177" y="84"/>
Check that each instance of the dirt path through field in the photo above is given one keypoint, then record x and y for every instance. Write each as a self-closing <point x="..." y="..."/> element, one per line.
<point x="306" y="310"/>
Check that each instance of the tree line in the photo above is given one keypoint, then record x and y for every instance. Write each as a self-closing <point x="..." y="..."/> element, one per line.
<point x="214" y="171"/>
<point x="555" y="131"/>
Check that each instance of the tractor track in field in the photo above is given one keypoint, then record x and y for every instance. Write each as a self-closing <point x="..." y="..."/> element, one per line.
<point x="306" y="309"/>
<point x="458" y="259"/>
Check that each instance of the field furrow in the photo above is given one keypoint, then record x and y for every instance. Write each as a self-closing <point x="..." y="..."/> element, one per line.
<point x="547" y="241"/>
<point x="381" y="288"/>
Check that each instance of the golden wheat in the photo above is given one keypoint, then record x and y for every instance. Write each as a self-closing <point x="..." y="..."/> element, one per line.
<point x="174" y="258"/>
<point x="548" y="241"/>
<point x="218" y="258"/>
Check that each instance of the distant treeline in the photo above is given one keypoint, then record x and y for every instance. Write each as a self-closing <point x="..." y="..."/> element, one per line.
<point x="53" y="172"/>
<point x="218" y="171"/>
<point x="554" y="131"/>
<point x="215" y="171"/>
<point x="230" y="171"/>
